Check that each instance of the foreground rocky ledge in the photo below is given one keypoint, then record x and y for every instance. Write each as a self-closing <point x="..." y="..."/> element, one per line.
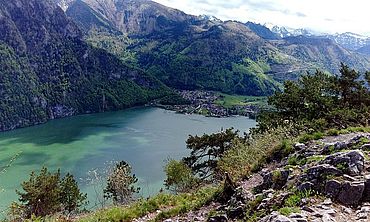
<point x="326" y="180"/>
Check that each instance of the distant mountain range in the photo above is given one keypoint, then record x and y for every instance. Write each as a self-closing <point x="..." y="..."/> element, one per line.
<point x="348" y="40"/>
<point x="98" y="55"/>
<point x="190" y="52"/>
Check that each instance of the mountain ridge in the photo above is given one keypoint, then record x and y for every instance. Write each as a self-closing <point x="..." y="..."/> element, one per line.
<point x="184" y="42"/>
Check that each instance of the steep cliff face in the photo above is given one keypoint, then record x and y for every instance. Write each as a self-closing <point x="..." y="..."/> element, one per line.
<point x="48" y="71"/>
<point x="88" y="19"/>
<point x="135" y="16"/>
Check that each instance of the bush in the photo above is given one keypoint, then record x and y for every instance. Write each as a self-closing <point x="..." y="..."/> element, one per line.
<point x="248" y="156"/>
<point x="179" y="177"/>
<point x="47" y="193"/>
<point x="120" y="185"/>
<point x="206" y="152"/>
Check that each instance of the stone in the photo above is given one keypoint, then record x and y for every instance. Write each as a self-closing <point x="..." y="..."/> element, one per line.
<point x="353" y="161"/>
<point x="328" y="148"/>
<point x="275" y="217"/>
<point x="366" y="195"/>
<point x="331" y="212"/>
<point x="281" y="218"/>
<point x="298" y="217"/>
<point x="300" y="146"/>
<point x="327" y="218"/>
<point x="300" y="220"/>
<point x="274" y="179"/>
<point x="332" y="188"/>
<point x="324" y="207"/>
<point x="306" y="186"/>
<point x="351" y="193"/>
<point x="218" y="218"/>
<point x="295" y="216"/>
<point x="308" y="209"/>
<point x="365" y="209"/>
<point x="328" y="202"/>
<point x="365" y="147"/>
<point x="237" y="212"/>
<point x="317" y="214"/>
<point x="349" y="178"/>
<point x="346" y="210"/>
<point x="361" y="216"/>
<point x="319" y="172"/>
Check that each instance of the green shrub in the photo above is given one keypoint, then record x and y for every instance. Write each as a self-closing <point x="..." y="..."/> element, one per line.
<point x="286" y="148"/>
<point x="47" y="193"/>
<point x="121" y="184"/>
<point x="295" y="199"/>
<point x="249" y="156"/>
<point x="179" y="177"/>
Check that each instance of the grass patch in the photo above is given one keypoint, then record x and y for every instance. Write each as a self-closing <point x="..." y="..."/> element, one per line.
<point x="296" y="160"/>
<point x="315" y="159"/>
<point x="295" y="199"/>
<point x="229" y="101"/>
<point x="286" y="211"/>
<point x="309" y="137"/>
<point x="175" y="205"/>
<point x="355" y="130"/>
<point x="332" y="132"/>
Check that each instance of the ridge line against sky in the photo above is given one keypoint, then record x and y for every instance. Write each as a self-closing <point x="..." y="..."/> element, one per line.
<point x="325" y="16"/>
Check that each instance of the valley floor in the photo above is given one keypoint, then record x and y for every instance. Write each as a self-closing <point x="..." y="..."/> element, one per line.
<point x="216" y="104"/>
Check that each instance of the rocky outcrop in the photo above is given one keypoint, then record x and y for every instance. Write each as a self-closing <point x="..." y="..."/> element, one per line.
<point x="335" y="170"/>
<point x="351" y="162"/>
<point x="351" y="193"/>
<point x="274" y="179"/>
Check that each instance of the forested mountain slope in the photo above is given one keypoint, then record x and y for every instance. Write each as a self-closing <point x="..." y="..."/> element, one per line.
<point x="48" y="71"/>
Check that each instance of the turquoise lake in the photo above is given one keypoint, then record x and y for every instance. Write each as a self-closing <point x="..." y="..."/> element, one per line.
<point x="144" y="137"/>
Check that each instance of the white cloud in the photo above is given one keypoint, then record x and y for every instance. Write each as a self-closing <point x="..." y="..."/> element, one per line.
<point x="320" y="15"/>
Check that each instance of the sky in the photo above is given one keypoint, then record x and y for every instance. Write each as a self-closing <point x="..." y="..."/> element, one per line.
<point x="325" y="16"/>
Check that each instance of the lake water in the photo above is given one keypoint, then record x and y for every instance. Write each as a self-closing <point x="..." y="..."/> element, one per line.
<point x="144" y="137"/>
